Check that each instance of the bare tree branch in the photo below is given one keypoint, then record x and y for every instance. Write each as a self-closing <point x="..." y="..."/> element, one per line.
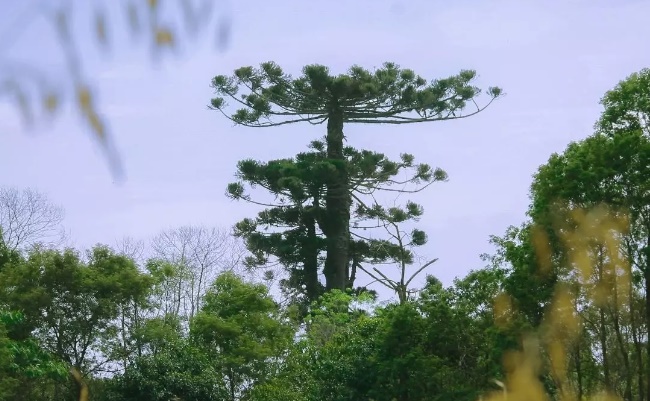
<point x="27" y="217"/>
<point x="200" y="253"/>
<point x="130" y="247"/>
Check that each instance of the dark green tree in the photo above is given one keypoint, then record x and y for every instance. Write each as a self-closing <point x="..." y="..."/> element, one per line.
<point x="290" y="229"/>
<point x="242" y="329"/>
<point x="530" y="287"/>
<point x="389" y="95"/>
<point x="627" y="106"/>
<point x="425" y="349"/>
<point x="71" y="305"/>
<point x="25" y="367"/>
<point x="178" y="371"/>
<point x="608" y="168"/>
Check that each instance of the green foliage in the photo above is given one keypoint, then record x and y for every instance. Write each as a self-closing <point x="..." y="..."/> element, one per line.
<point x="424" y="350"/>
<point x="154" y="334"/>
<point x="178" y="371"/>
<point x="627" y="106"/>
<point x="389" y="95"/>
<point x="335" y="310"/>
<point x="365" y="97"/>
<point x="294" y="229"/>
<point x="561" y="312"/>
<point x="530" y="287"/>
<point x="71" y="305"/>
<point x="24" y="362"/>
<point x="608" y="280"/>
<point x="242" y="328"/>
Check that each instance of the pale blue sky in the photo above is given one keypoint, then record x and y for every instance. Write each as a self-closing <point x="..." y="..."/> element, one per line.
<point x="553" y="58"/>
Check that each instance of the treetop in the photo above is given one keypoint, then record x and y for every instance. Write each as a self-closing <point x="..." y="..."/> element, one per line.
<point x="388" y="95"/>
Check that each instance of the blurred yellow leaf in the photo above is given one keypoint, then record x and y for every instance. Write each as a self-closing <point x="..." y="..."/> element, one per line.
<point x="502" y="309"/>
<point x="563" y="315"/>
<point x="152" y="4"/>
<point x="51" y="102"/>
<point x="558" y="358"/>
<point x="523" y="368"/>
<point x="542" y="249"/>
<point x="164" y="37"/>
<point x="97" y="126"/>
<point x="84" y="98"/>
<point x="591" y="239"/>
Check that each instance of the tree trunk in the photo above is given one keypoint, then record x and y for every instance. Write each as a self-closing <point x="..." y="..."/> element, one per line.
<point x="622" y="344"/>
<point x="337" y="206"/>
<point x="232" y="387"/>
<point x="646" y="275"/>
<point x="578" y="366"/>
<point x="603" y="346"/>
<point x="638" y="351"/>
<point x="125" y="358"/>
<point x="634" y="327"/>
<point x="646" y="279"/>
<point x="603" y="328"/>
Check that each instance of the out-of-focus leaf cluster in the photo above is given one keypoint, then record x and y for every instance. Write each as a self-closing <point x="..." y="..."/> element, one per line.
<point x="39" y="95"/>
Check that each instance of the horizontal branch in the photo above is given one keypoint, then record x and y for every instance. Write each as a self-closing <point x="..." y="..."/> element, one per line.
<point x="411" y="120"/>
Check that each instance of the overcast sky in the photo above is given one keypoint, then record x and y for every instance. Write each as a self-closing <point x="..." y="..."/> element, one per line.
<point x="554" y="59"/>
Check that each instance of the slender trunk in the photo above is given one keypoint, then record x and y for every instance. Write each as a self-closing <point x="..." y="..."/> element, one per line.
<point x="125" y="358"/>
<point x="646" y="275"/>
<point x="577" y="351"/>
<point x="355" y="261"/>
<point x="603" y="346"/>
<point x="623" y="348"/>
<point x="638" y="352"/>
<point x="197" y="300"/>
<point x="136" y="325"/>
<point x="603" y="328"/>
<point x="231" y="385"/>
<point x="337" y="206"/>
<point x="634" y="328"/>
<point x="179" y="296"/>
<point x="578" y="364"/>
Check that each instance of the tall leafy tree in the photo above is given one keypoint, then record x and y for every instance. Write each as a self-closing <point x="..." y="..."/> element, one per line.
<point x="71" y="305"/>
<point x="25" y="367"/>
<point x="241" y="327"/>
<point x="389" y="95"/>
<point x="627" y="106"/>
<point x="291" y="228"/>
<point x="612" y="169"/>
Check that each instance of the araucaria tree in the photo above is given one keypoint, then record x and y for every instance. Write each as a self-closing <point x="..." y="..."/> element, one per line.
<point x="289" y="230"/>
<point x="389" y="95"/>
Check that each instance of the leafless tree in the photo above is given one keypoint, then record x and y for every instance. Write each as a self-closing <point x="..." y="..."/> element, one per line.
<point x="200" y="254"/>
<point x="28" y="217"/>
<point x="130" y="247"/>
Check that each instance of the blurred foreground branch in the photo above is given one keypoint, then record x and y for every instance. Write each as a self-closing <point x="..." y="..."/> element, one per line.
<point x="38" y="94"/>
